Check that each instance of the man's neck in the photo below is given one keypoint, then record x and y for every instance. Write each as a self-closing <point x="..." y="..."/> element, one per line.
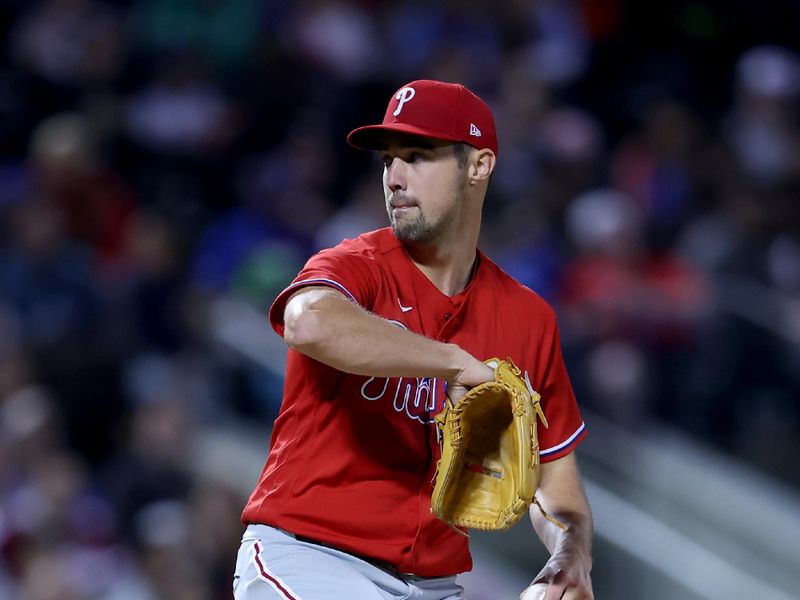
<point x="450" y="272"/>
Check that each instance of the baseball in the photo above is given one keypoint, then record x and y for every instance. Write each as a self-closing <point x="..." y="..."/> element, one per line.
<point x="535" y="592"/>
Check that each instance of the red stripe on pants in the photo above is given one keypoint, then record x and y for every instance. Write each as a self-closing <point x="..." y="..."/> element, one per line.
<point x="270" y="577"/>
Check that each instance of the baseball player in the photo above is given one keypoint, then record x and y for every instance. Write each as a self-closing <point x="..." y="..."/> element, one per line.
<point x="379" y="329"/>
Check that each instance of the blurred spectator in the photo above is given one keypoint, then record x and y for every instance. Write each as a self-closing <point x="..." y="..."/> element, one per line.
<point x="47" y="277"/>
<point x="151" y="464"/>
<point x="146" y="294"/>
<point x="523" y="104"/>
<point x="181" y="112"/>
<point x="69" y="42"/>
<point x="658" y="164"/>
<point x="68" y="171"/>
<point x="215" y="532"/>
<point x="763" y="128"/>
<point x="571" y="155"/>
<point x="557" y="53"/>
<point x="338" y="36"/>
<point x="650" y="305"/>
<point x="30" y="424"/>
<point x="162" y="530"/>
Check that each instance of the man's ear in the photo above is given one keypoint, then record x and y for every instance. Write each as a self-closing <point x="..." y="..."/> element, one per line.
<point x="481" y="165"/>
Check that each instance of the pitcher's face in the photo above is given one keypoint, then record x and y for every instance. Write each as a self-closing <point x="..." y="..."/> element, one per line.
<point x="424" y="186"/>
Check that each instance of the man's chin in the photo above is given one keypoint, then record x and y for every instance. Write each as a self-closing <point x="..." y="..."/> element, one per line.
<point x="411" y="232"/>
<point x="411" y="238"/>
<point x="402" y="233"/>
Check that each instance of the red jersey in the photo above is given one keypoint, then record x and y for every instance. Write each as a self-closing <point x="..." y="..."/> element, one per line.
<point x="352" y="458"/>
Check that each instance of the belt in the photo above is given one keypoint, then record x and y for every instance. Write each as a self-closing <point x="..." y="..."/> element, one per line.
<point x="381" y="564"/>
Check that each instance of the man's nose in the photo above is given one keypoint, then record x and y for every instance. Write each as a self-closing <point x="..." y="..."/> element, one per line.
<point x="395" y="176"/>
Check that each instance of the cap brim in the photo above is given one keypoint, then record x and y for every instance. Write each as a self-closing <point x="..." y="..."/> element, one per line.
<point x="372" y="137"/>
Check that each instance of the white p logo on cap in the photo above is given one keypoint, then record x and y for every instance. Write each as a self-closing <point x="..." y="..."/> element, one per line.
<point x="402" y="96"/>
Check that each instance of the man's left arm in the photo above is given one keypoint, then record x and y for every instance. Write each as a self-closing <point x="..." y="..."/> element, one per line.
<point x="562" y="496"/>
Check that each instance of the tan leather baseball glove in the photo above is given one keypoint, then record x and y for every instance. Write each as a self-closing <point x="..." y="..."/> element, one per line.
<point x="489" y="470"/>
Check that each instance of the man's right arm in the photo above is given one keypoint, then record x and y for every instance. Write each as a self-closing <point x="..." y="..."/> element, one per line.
<point x="322" y="323"/>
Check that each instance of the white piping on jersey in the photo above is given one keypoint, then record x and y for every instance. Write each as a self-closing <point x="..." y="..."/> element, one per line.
<point x="565" y="443"/>
<point x="329" y="282"/>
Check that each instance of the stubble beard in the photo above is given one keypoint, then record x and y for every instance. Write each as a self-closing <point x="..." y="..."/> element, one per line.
<point x="417" y="228"/>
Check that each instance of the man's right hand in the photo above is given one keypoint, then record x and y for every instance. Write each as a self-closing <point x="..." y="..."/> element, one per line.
<point x="474" y="373"/>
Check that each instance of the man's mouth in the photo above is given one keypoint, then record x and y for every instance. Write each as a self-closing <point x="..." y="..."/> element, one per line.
<point x="401" y="203"/>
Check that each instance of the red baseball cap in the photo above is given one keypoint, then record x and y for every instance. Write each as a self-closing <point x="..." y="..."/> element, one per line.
<point x="444" y="111"/>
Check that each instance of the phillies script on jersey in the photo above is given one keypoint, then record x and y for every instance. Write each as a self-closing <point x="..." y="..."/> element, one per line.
<point x="352" y="458"/>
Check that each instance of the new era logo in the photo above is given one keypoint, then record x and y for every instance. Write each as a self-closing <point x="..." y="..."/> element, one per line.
<point x="473" y="130"/>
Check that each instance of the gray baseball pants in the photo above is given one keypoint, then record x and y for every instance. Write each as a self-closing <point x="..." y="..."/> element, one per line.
<point x="273" y="564"/>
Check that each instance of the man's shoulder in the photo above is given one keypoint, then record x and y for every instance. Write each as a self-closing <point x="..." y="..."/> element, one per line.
<point x="510" y="290"/>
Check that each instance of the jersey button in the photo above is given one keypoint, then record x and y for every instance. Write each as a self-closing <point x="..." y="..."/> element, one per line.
<point x="447" y="316"/>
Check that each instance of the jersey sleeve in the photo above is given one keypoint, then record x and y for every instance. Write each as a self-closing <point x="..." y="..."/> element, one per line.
<point x="566" y="427"/>
<point x="350" y="273"/>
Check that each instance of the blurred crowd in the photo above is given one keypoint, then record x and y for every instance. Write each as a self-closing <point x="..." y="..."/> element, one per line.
<point x="157" y="155"/>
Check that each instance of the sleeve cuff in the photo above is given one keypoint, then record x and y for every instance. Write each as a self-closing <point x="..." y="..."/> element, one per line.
<point x="565" y="447"/>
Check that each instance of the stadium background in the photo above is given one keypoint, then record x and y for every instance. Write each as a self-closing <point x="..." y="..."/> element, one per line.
<point x="166" y="166"/>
